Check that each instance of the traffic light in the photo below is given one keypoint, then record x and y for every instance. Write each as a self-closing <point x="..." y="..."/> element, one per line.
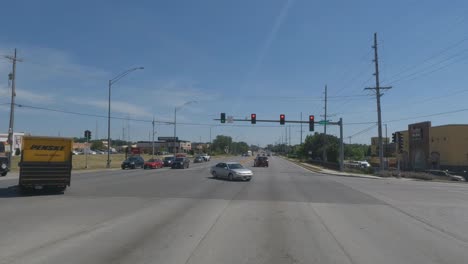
<point x="253" y="118"/>
<point x="87" y="134"/>
<point x="400" y="142"/>
<point x="282" y="121"/>
<point x="311" y="122"/>
<point x="223" y="118"/>
<point x="394" y="137"/>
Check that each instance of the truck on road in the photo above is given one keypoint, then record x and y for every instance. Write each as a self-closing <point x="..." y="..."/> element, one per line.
<point x="46" y="163"/>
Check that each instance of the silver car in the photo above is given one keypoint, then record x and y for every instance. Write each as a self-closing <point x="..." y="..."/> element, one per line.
<point x="231" y="171"/>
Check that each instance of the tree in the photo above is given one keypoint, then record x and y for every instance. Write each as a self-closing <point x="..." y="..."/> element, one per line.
<point x="355" y="151"/>
<point x="220" y="143"/>
<point x="315" y="145"/>
<point x="97" y="144"/>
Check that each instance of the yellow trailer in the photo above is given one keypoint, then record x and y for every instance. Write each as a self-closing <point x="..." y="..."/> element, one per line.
<point x="46" y="163"/>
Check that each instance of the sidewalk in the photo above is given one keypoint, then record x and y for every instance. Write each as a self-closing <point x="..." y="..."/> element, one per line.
<point x="332" y="172"/>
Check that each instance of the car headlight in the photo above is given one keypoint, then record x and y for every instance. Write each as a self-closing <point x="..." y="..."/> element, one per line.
<point x="4" y="166"/>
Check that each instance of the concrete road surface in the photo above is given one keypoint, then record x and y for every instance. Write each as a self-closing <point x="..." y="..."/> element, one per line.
<point x="284" y="215"/>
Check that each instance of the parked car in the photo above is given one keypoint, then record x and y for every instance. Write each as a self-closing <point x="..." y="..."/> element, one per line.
<point x="180" y="163"/>
<point x="133" y="162"/>
<point x="445" y="175"/>
<point x="168" y="161"/>
<point x="153" y="164"/>
<point x="198" y="159"/>
<point x="231" y="171"/>
<point x="261" y="161"/>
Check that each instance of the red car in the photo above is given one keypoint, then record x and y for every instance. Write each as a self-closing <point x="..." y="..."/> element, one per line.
<point x="153" y="164"/>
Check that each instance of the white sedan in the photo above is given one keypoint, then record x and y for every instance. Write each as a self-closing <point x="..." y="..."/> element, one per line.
<point x="231" y="171"/>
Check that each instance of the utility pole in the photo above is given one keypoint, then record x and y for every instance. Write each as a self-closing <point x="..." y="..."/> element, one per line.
<point x="289" y="135"/>
<point x="341" y="145"/>
<point x="325" y="128"/>
<point x="378" y="94"/>
<point x="301" y="128"/>
<point x="12" y="78"/>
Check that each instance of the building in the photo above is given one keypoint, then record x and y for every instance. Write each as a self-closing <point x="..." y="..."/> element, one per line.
<point x="165" y="146"/>
<point x="201" y="147"/>
<point x="17" y="141"/>
<point x="375" y="146"/>
<point x="439" y="147"/>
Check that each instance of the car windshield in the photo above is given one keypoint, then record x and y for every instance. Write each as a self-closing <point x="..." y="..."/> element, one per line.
<point x="234" y="166"/>
<point x="168" y="158"/>
<point x="151" y="160"/>
<point x="179" y="159"/>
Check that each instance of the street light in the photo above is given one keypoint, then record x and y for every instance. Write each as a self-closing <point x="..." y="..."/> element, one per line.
<point x="175" y="122"/>
<point x="112" y="81"/>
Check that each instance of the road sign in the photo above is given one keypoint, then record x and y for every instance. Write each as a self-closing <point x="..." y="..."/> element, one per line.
<point x="323" y="122"/>
<point x="168" y="138"/>
<point x="230" y="119"/>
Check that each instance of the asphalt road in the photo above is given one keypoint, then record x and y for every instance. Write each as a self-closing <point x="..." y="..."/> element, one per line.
<point x="284" y="215"/>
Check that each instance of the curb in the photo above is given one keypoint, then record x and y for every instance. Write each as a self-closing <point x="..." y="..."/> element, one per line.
<point x="334" y="174"/>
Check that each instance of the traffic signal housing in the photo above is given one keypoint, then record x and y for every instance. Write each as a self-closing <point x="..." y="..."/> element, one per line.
<point x="394" y="137"/>
<point x="253" y="118"/>
<point x="87" y="135"/>
<point x="400" y="142"/>
<point x="282" y="119"/>
<point x="223" y="118"/>
<point x="311" y="122"/>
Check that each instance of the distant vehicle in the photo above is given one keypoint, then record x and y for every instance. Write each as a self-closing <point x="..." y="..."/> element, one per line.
<point x="180" y="163"/>
<point x="364" y="164"/>
<point x="445" y="175"/>
<point x="133" y="162"/>
<point x="249" y="153"/>
<point x="4" y="166"/>
<point x="153" y="164"/>
<point x="168" y="161"/>
<point x="206" y="157"/>
<point x="181" y="155"/>
<point x="231" y="171"/>
<point x="76" y="152"/>
<point x="89" y="152"/>
<point x="198" y="159"/>
<point x="46" y="163"/>
<point x="261" y="161"/>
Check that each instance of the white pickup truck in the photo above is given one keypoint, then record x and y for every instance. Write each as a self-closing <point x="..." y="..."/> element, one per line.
<point x="205" y="157"/>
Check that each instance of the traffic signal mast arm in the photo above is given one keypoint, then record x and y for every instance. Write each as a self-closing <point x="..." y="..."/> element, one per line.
<point x="276" y="121"/>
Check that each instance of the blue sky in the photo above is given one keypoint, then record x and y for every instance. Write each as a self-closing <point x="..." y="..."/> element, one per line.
<point x="239" y="57"/>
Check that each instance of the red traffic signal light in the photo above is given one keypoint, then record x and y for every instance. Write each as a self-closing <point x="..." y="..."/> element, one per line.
<point x="253" y="118"/>
<point x="282" y="119"/>
<point x="311" y="122"/>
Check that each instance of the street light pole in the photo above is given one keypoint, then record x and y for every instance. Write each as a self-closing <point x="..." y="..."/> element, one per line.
<point x="112" y="81"/>
<point x="175" y="121"/>
<point x="108" y="127"/>
<point x="175" y="125"/>
<point x="152" y="156"/>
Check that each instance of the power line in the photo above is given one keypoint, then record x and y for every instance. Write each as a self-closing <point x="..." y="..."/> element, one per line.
<point x="363" y="131"/>
<point x="430" y="66"/>
<point x="431" y="57"/>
